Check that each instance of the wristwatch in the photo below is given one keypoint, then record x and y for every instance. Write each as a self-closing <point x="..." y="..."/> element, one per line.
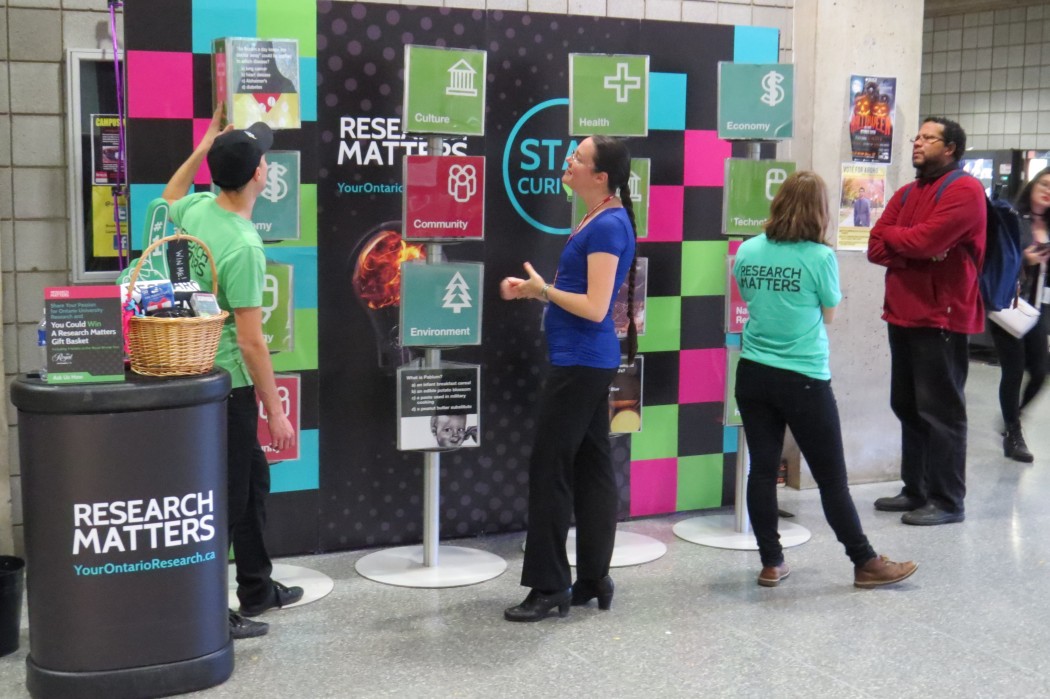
<point x="544" y="292"/>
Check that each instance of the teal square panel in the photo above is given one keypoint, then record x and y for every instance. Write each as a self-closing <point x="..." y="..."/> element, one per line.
<point x="301" y="474"/>
<point x="214" y="19"/>
<point x="667" y="101"/>
<point x="308" y="88"/>
<point x="756" y="45"/>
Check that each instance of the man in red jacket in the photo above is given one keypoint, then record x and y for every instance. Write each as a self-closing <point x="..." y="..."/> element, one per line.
<point x="931" y="239"/>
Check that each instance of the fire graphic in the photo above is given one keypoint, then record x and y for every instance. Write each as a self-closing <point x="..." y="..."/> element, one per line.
<point x="377" y="273"/>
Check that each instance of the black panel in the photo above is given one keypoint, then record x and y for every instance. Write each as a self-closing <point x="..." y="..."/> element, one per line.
<point x="303" y="140"/>
<point x="202" y="86"/>
<point x="665" y="268"/>
<point x="702" y="213"/>
<point x="729" y="479"/>
<point x="298" y="515"/>
<point x="158" y="25"/>
<point x="660" y="382"/>
<point x="700" y="429"/>
<point x="667" y="151"/>
<point x="157" y="147"/>
<point x="703" y="322"/>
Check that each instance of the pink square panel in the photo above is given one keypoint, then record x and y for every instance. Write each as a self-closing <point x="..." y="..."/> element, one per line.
<point x="200" y="126"/>
<point x="160" y="85"/>
<point x="705" y="157"/>
<point x="654" y="487"/>
<point x="665" y="214"/>
<point x="702" y="375"/>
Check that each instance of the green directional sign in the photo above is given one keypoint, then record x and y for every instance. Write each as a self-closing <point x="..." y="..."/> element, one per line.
<point x="756" y="101"/>
<point x="750" y="186"/>
<point x="639" y="186"/>
<point x="278" y="314"/>
<point x="444" y="91"/>
<point x="276" y="212"/>
<point x="608" y="94"/>
<point x="441" y="304"/>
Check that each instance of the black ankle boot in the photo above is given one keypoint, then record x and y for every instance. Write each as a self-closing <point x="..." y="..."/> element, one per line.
<point x="1014" y="446"/>
<point x="539" y="604"/>
<point x="583" y="591"/>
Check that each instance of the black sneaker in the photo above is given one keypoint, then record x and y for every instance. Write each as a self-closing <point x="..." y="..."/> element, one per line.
<point x="282" y="597"/>
<point x="241" y="627"/>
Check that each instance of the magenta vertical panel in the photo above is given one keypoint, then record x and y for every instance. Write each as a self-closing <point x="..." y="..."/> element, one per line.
<point x="705" y="156"/>
<point x="702" y="375"/>
<point x="160" y="85"/>
<point x="665" y="214"/>
<point x="654" y="487"/>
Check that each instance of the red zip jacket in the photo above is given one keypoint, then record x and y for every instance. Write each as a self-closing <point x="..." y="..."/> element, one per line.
<point x="921" y="292"/>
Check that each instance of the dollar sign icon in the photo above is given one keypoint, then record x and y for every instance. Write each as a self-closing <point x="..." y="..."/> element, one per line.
<point x="771" y="84"/>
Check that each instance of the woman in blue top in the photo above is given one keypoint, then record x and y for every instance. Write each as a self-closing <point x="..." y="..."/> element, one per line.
<point x="571" y="469"/>
<point x="789" y="277"/>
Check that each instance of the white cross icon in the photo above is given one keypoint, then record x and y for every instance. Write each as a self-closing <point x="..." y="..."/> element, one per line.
<point x="622" y="82"/>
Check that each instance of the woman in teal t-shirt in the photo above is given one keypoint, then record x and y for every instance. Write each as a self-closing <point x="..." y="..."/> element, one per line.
<point x="789" y="277"/>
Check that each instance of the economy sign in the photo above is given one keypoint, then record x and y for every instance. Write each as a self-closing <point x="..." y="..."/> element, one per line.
<point x="444" y="91"/>
<point x="756" y="101"/>
<point x="440" y="304"/>
<point x="444" y="197"/>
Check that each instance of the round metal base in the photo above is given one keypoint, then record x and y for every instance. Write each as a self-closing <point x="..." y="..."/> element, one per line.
<point x="630" y="549"/>
<point x="315" y="584"/>
<point x="719" y="531"/>
<point x="456" y="567"/>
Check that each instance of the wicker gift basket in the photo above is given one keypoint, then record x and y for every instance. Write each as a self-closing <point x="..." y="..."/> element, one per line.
<point x="174" y="346"/>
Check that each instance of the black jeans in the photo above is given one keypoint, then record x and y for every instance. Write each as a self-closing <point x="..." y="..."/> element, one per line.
<point x="770" y="398"/>
<point x="928" y="379"/>
<point x="1017" y="355"/>
<point x="249" y="484"/>
<point x="571" y="470"/>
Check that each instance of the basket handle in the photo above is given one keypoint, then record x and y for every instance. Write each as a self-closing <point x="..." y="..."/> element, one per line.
<point x="178" y="236"/>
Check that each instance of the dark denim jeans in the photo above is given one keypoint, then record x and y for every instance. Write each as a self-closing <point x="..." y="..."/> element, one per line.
<point x="927" y="394"/>
<point x="770" y="399"/>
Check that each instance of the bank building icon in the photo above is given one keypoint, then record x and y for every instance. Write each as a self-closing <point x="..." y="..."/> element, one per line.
<point x="461" y="80"/>
<point x="634" y="183"/>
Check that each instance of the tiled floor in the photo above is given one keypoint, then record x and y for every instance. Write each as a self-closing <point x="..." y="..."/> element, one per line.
<point x="972" y="622"/>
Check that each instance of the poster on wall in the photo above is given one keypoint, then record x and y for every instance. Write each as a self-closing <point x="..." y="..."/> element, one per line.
<point x="104" y="223"/>
<point x="736" y="308"/>
<point x="625" y="397"/>
<point x="438" y="408"/>
<point x="107" y="160"/>
<point x="750" y="186"/>
<point x="361" y="254"/>
<point x="445" y="90"/>
<point x="872" y="103"/>
<point x="257" y="80"/>
<point x="608" y="94"/>
<point x="862" y="199"/>
<point x="444" y="197"/>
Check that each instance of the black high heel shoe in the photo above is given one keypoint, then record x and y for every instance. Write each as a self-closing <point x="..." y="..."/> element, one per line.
<point x="538" y="605"/>
<point x="583" y="591"/>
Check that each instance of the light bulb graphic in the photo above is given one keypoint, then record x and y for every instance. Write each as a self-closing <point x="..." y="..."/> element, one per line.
<point x="376" y="281"/>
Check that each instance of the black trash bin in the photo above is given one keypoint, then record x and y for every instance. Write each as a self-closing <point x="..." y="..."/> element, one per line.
<point x="12" y="577"/>
<point x="124" y="504"/>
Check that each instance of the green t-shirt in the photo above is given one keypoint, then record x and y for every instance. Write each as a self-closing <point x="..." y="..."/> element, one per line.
<point x="239" y="260"/>
<point x="785" y="285"/>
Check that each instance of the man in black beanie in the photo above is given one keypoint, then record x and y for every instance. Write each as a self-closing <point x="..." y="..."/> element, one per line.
<point x="236" y="158"/>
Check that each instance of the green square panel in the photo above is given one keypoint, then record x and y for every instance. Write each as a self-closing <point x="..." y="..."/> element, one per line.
<point x="699" y="482"/>
<point x="659" y="436"/>
<point x="289" y="20"/>
<point x="304" y="356"/>
<point x="663" y="325"/>
<point x="704" y="268"/>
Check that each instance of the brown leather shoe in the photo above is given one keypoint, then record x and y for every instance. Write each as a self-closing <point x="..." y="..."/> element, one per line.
<point x="882" y="571"/>
<point x="772" y="575"/>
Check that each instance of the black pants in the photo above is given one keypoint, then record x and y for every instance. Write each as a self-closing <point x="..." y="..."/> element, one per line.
<point x="249" y="484"/>
<point x="927" y="384"/>
<point x="770" y="398"/>
<point x="1017" y="355"/>
<point x="570" y="470"/>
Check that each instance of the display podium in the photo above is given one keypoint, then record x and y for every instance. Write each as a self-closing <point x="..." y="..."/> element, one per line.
<point x="124" y="497"/>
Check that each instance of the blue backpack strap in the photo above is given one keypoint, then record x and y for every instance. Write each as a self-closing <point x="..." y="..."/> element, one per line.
<point x="956" y="174"/>
<point x="906" y="191"/>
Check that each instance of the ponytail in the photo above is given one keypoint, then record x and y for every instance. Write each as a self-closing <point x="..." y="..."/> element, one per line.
<point x="632" y="329"/>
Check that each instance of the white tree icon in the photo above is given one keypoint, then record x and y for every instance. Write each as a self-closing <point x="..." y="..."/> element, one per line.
<point x="457" y="294"/>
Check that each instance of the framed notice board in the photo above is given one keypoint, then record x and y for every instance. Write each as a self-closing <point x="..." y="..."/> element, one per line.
<point x="95" y="164"/>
